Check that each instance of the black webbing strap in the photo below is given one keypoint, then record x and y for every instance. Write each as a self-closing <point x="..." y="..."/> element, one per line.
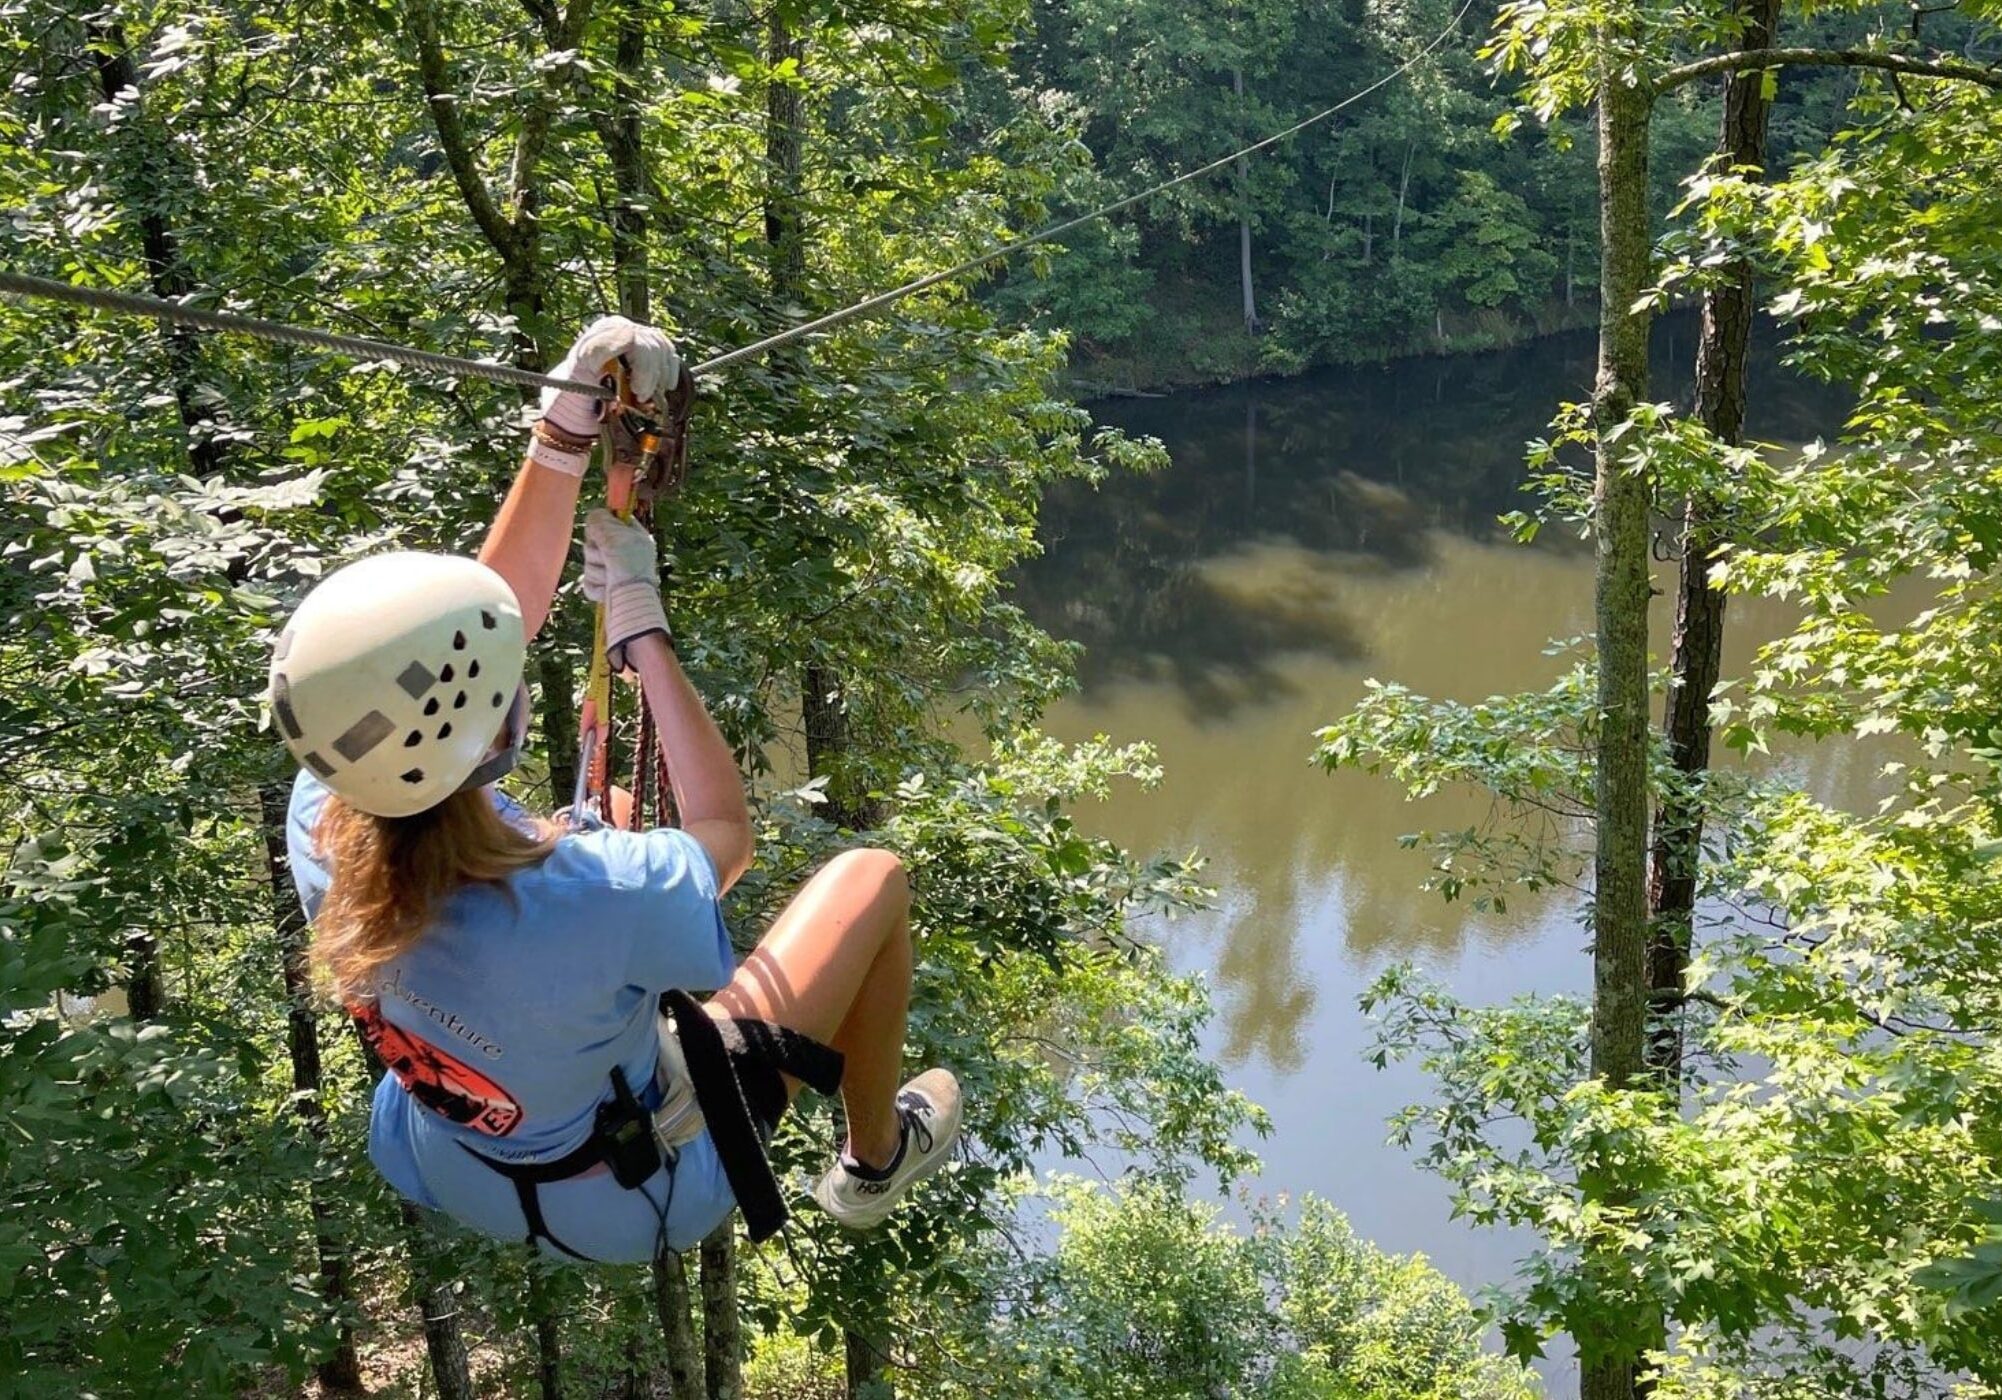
<point x="732" y="1127"/>
<point x="526" y="1177"/>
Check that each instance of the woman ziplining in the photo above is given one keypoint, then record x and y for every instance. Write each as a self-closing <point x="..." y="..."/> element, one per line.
<point x="507" y="971"/>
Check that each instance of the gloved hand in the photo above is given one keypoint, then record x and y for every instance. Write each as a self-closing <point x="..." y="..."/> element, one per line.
<point x="562" y="441"/>
<point x="653" y="366"/>
<point x="621" y="571"/>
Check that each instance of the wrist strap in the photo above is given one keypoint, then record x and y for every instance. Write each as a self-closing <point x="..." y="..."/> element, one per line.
<point x="549" y="446"/>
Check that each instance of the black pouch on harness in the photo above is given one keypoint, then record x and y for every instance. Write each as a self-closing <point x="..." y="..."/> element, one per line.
<point x="626" y="1128"/>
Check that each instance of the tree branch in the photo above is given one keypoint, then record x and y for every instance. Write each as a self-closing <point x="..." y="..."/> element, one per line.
<point x="444" y="105"/>
<point x="545" y="15"/>
<point x="1750" y="59"/>
<point x="535" y="123"/>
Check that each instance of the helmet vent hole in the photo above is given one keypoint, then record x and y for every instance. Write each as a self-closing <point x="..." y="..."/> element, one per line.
<point x="414" y="775"/>
<point x="458" y="641"/>
<point x="444" y="731"/>
<point x="446" y="675"/>
<point x="473" y="671"/>
<point x="487" y="620"/>
<point x="431" y="706"/>
<point x="460" y="703"/>
<point x="413" y="739"/>
<point x="497" y="699"/>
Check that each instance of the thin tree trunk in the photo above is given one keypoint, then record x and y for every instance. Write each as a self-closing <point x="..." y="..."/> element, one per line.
<point x="637" y="1382"/>
<point x="868" y="1375"/>
<point x="159" y="170"/>
<point x="785" y="117"/>
<point x="628" y="159"/>
<point x="147" y="164"/>
<point x="342" y="1369"/>
<point x="722" y="1328"/>
<point x="1403" y="192"/>
<point x="1244" y="220"/>
<point x="439" y="1306"/>
<point x="1619" y="905"/>
<point x="548" y="1331"/>
<point x="671" y="1305"/>
<point x="151" y="169"/>
<point x="1722" y="356"/>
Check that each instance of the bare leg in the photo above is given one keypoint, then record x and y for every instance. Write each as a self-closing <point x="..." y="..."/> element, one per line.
<point x="530" y="539"/>
<point x="836" y="965"/>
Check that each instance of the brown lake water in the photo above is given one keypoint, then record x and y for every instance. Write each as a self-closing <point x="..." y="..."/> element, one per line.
<point x="1312" y="534"/>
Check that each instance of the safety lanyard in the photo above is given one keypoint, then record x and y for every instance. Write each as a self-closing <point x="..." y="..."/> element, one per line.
<point x="646" y="456"/>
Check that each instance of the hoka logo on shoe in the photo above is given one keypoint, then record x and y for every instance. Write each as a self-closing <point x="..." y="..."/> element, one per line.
<point x="873" y="1188"/>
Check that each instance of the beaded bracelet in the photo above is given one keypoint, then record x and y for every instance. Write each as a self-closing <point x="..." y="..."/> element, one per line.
<point x="549" y="446"/>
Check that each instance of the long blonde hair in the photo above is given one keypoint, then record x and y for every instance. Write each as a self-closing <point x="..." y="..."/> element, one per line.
<point x="389" y="874"/>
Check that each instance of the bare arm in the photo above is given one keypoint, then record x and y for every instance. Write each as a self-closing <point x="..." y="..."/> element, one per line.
<point x="708" y="790"/>
<point x="530" y="539"/>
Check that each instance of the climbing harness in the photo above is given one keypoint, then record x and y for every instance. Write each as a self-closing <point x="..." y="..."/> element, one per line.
<point x="181" y="313"/>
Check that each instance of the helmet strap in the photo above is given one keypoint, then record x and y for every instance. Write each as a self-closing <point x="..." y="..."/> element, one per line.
<point x="515" y="732"/>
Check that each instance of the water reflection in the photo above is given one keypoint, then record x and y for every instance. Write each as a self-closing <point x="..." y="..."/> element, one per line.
<point x="1310" y="535"/>
<point x="1363" y="470"/>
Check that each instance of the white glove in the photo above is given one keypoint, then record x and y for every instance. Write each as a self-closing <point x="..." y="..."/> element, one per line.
<point x="653" y="366"/>
<point x="621" y="571"/>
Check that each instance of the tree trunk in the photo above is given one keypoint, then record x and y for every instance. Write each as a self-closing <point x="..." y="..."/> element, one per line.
<point x="1403" y="192"/>
<point x="823" y="709"/>
<point x="868" y="1375"/>
<point x="151" y="168"/>
<point x="439" y="1307"/>
<point x="637" y="1381"/>
<point x="722" y="1328"/>
<point x="1722" y="354"/>
<point x="1571" y="265"/>
<point x="548" y="1332"/>
<point x="628" y="159"/>
<point x="1619" y="906"/>
<point x="1244" y="220"/>
<point x="341" y="1370"/>
<point x="147" y="163"/>
<point x="671" y="1305"/>
<point x="785" y="117"/>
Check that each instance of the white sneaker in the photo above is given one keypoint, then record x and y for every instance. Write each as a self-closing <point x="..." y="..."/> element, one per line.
<point x="929" y="1109"/>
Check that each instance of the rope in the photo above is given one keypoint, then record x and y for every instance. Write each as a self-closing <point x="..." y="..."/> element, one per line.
<point x="20" y="284"/>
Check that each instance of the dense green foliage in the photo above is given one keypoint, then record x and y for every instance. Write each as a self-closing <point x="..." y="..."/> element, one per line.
<point x="1811" y="1214"/>
<point x="1148" y="1296"/>
<point x="1400" y="227"/>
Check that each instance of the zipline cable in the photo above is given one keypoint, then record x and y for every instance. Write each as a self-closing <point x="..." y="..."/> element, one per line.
<point x="98" y="298"/>
<point x="23" y="285"/>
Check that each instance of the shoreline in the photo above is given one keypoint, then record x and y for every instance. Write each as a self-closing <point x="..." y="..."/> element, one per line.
<point x="1112" y="375"/>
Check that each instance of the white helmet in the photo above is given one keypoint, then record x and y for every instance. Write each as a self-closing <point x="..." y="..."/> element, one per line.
<point x="395" y="676"/>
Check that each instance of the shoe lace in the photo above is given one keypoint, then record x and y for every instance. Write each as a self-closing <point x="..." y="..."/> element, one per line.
<point x="911" y="1111"/>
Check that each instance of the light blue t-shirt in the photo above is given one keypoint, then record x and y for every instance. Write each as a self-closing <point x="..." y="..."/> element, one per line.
<point x="502" y="1023"/>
